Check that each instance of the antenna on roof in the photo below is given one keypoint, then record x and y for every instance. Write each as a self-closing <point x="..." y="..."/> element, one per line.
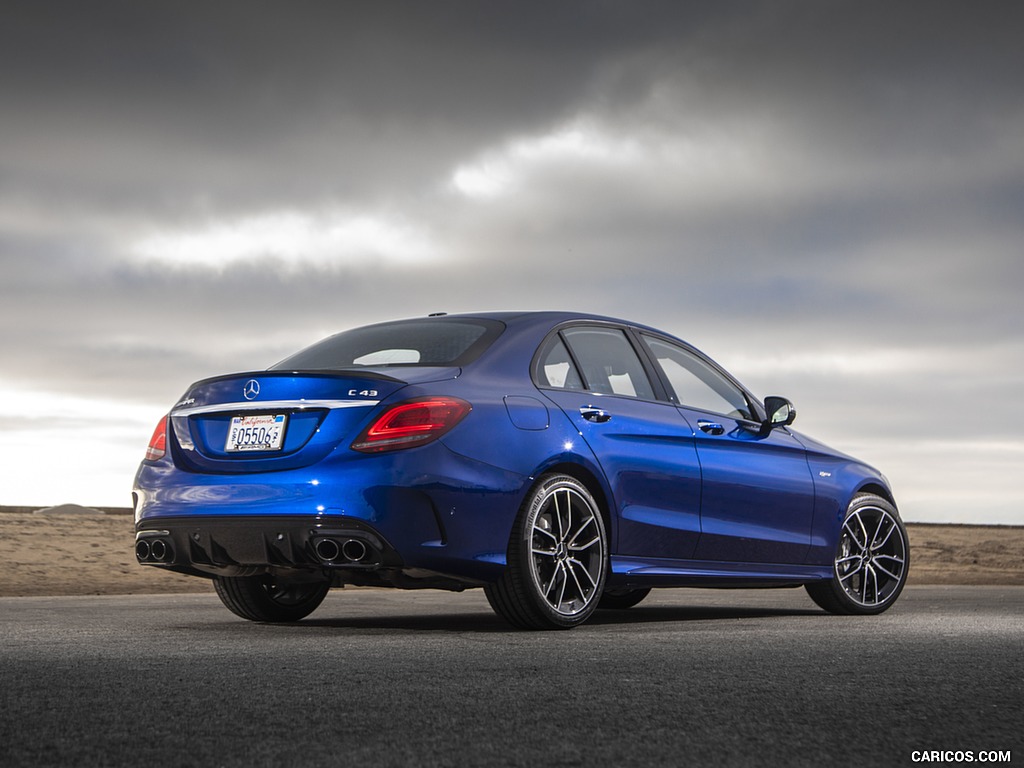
<point x="437" y="314"/>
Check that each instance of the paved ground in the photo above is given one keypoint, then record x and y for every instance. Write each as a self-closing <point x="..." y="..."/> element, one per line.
<point x="382" y="678"/>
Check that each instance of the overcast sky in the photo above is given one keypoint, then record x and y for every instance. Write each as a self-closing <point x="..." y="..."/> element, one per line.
<point x="826" y="197"/>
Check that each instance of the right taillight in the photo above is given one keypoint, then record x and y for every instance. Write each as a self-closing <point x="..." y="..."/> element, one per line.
<point x="158" y="442"/>
<point x="411" y="423"/>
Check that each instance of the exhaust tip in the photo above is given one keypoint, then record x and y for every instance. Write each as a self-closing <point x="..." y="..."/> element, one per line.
<point x="353" y="550"/>
<point x="142" y="549"/>
<point x="327" y="550"/>
<point x="159" y="550"/>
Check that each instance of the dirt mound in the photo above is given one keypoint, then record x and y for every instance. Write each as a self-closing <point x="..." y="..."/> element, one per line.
<point x="68" y="509"/>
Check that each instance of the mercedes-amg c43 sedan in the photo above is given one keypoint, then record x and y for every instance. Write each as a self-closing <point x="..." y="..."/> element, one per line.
<point x="563" y="462"/>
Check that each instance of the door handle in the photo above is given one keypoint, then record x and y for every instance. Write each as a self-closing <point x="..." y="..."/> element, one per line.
<point x="711" y="427"/>
<point x="595" y="415"/>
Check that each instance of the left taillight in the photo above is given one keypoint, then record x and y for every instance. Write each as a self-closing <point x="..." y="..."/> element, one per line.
<point x="414" y="422"/>
<point x="158" y="442"/>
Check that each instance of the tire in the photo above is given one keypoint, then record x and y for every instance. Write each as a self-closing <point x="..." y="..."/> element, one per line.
<point x="264" y="598"/>
<point x="620" y="599"/>
<point x="871" y="563"/>
<point x="557" y="558"/>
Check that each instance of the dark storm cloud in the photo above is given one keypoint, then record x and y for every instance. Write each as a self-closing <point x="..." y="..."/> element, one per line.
<point x="826" y="194"/>
<point x="246" y="104"/>
<point x="240" y="103"/>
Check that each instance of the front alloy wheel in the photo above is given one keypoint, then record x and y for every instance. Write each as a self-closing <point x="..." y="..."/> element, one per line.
<point x="872" y="560"/>
<point x="557" y="558"/>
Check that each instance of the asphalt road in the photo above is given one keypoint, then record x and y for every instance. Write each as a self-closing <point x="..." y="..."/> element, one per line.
<point x="382" y="678"/>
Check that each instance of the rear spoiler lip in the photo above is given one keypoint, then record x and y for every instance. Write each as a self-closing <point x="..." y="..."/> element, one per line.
<point x="281" y="373"/>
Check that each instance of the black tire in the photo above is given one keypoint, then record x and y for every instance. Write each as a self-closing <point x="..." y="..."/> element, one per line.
<point x="620" y="599"/>
<point x="264" y="598"/>
<point x="871" y="563"/>
<point x="557" y="558"/>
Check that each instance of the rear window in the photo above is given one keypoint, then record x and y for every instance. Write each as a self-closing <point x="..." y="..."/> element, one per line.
<point x="428" y="342"/>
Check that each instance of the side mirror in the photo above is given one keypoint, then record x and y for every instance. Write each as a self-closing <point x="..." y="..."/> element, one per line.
<point x="779" y="413"/>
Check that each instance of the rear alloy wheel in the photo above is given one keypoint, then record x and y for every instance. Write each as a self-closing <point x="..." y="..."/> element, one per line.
<point x="872" y="560"/>
<point x="619" y="599"/>
<point x="557" y="558"/>
<point x="265" y="598"/>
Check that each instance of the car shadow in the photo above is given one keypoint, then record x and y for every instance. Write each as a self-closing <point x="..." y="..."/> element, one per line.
<point x="666" y="613"/>
<point x="486" y="622"/>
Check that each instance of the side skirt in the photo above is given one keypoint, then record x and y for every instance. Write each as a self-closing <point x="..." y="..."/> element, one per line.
<point x="628" y="571"/>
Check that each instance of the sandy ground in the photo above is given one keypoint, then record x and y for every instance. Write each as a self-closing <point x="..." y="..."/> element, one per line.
<point x="79" y="553"/>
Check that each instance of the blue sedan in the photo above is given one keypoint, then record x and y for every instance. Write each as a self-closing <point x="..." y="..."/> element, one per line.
<point x="563" y="462"/>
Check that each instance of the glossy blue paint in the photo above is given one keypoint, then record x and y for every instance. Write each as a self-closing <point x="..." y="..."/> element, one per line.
<point x="647" y="454"/>
<point x="527" y="413"/>
<point x="682" y="505"/>
<point x="757" y="503"/>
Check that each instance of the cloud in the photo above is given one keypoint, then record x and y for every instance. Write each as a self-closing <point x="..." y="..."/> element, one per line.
<point x="578" y="146"/>
<point x="295" y="240"/>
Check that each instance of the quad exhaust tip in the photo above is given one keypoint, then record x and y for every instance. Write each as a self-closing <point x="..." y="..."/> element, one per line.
<point x="348" y="551"/>
<point x="330" y="551"/>
<point x="150" y="550"/>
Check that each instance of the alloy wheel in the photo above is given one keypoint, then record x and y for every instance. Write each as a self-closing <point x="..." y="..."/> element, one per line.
<point x="872" y="557"/>
<point x="566" y="551"/>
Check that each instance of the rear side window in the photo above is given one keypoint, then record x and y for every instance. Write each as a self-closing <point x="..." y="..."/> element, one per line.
<point x="555" y="368"/>
<point x="608" y="363"/>
<point x="428" y="342"/>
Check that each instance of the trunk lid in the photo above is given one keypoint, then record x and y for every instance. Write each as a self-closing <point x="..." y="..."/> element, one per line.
<point x="276" y="420"/>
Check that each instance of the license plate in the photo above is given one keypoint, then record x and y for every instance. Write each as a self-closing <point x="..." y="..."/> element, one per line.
<point x="256" y="433"/>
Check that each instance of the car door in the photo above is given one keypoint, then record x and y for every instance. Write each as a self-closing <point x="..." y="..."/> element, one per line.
<point x="757" y="499"/>
<point x="595" y="376"/>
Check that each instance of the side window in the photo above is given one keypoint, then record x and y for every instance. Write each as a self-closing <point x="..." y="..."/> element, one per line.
<point x="696" y="384"/>
<point x="555" y="368"/>
<point x="609" y="363"/>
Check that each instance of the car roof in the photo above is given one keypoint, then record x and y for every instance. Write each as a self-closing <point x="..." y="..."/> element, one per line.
<point x="552" y="317"/>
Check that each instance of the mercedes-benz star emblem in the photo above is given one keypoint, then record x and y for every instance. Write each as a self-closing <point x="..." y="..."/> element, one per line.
<point x="251" y="390"/>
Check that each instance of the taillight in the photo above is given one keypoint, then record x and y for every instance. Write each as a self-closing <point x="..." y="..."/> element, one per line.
<point x="413" y="422"/>
<point x="158" y="442"/>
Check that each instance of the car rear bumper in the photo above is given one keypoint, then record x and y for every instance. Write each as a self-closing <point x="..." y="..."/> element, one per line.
<point x="299" y="548"/>
<point x="231" y="545"/>
<point x="424" y="510"/>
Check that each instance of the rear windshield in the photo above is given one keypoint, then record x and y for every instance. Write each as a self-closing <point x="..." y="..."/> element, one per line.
<point x="427" y="342"/>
